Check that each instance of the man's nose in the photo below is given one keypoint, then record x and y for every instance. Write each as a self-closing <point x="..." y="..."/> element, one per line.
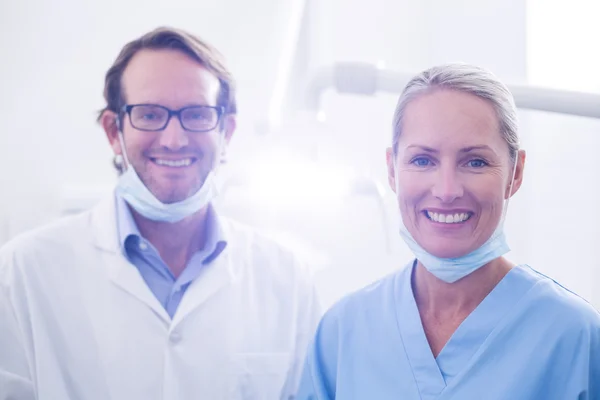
<point x="174" y="137"/>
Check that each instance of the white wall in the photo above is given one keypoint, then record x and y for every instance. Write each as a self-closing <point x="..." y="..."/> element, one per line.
<point x="562" y="38"/>
<point x="407" y="36"/>
<point x="55" y="58"/>
<point x="565" y="179"/>
<point x="52" y="84"/>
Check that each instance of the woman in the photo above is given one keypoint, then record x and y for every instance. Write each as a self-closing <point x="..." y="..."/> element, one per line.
<point x="461" y="321"/>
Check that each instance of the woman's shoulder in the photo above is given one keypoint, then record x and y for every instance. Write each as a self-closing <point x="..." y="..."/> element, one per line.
<point x="549" y="296"/>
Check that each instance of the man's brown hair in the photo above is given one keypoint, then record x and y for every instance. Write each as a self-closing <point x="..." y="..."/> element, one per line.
<point x="176" y="39"/>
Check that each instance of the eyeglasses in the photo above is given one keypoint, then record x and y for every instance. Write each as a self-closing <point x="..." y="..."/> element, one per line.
<point x="154" y="117"/>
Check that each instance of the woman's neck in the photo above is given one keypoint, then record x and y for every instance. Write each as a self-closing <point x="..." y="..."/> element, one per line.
<point x="437" y="297"/>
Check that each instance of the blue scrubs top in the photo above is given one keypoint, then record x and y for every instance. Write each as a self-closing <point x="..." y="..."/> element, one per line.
<point x="530" y="338"/>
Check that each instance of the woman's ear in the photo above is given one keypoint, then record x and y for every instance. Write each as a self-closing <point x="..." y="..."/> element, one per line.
<point x="518" y="178"/>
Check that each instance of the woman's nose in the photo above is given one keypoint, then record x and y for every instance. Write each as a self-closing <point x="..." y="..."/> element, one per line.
<point x="447" y="186"/>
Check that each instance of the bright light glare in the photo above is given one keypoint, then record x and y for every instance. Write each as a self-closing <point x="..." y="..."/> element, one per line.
<point x="284" y="183"/>
<point x="564" y="58"/>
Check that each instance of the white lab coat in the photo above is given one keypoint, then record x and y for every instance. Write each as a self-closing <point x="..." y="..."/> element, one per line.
<point x="77" y="321"/>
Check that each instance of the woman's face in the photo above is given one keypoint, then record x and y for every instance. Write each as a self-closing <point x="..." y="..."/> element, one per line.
<point x="453" y="172"/>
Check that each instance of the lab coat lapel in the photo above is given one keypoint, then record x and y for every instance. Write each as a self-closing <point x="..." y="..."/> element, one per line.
<point x="121" y="272"/>
<point x="427" y="375"/>
<point x="213" y="278"/>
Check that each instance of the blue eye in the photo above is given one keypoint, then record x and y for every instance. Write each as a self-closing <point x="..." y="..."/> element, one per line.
<point x="198" y="115"/>
<point x="421" y="162"/>
<point x="149" y="116"/>
<point x="477" y="163"/>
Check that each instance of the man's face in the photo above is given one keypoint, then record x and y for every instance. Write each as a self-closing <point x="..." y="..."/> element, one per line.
<point x="173" y="163"/>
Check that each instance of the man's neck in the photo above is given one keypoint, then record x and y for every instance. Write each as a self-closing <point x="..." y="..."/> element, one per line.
<point x="176" y="242"/>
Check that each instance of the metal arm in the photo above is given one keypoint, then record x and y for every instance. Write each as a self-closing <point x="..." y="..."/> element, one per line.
<point x="367" y="79"/>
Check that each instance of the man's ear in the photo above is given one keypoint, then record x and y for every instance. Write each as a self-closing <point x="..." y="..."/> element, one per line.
<point x="228" y="127"/>
<point x="108" y="120"/>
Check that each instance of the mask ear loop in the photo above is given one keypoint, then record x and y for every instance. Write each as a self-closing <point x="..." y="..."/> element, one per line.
<point x="216" y="162"/>
<point x="395" y="177"/>
<point x="512" y="181"/>
<point x="394" y="161"/>
<point x="397" y="185"/>
<point x="122" y="142"/>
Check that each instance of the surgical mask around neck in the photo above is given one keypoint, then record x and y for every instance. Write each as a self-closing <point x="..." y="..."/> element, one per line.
<point x="452" y="269"/>
<point x="131" y="188"/>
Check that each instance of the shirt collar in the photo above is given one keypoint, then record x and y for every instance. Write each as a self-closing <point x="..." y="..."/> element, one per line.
<point x="215" y="241"/>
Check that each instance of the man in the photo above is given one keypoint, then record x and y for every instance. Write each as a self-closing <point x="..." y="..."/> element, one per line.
<point x="151" y="295"/>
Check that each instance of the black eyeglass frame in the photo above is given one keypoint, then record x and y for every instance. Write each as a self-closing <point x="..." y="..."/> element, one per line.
<point x="126" y="109"/>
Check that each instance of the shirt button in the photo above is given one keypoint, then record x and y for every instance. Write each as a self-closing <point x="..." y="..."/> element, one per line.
<point x="175" y="337"/>
<point x="143" y="246"/>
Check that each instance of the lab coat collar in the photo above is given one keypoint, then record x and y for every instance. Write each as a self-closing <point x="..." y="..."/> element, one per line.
<point x="125" y="275"/>
<point x="213" y="246"/>
<point x="103" y="221"/>
<point x="106" y="234"/>
<point x="221" y="272"/>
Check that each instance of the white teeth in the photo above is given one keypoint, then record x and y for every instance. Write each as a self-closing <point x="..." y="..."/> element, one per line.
<point x="448" y="218"/>
<point x="174" y="163"/>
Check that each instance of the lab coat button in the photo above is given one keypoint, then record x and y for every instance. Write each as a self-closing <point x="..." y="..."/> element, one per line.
<point x="175" y="337"/>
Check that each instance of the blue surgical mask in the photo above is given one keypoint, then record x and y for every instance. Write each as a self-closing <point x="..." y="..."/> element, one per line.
<point x="131" y="188"/>
<point x="452" y="269"/>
